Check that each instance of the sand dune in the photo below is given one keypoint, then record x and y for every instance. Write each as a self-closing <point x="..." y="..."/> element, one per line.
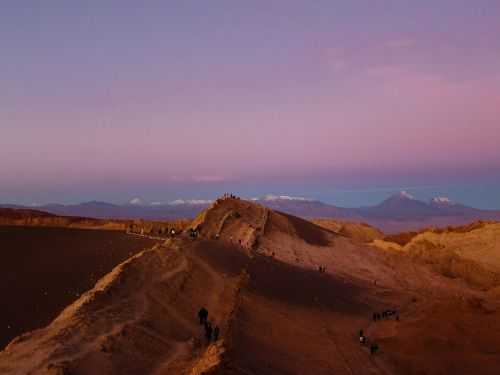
<point x="256" y="270"/>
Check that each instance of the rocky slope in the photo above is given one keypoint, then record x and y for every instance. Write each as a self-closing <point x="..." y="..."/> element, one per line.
<point x="470" y="252"/>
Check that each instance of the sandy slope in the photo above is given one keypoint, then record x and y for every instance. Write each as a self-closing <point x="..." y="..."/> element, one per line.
<point x="140" y="318"/>
<point x="278" y="314"/>
<point x="44" y="269"/>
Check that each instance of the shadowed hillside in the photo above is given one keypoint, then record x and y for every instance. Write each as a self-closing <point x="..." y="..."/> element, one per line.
<point x="44" y="269"/>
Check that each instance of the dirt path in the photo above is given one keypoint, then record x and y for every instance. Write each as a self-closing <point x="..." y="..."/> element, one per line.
<point x="183" y="351"/>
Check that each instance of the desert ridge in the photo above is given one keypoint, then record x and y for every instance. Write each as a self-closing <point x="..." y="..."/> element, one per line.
<point x="288" y="296"/>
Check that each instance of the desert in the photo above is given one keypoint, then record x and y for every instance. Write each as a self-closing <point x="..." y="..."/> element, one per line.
<point x="256" y="272"/>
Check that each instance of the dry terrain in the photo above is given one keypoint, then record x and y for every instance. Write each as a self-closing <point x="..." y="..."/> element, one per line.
<point x="470" y="253"/>
<point x="356" y="231"/>
<point x="45" y="269"/>
<point x="256" y="271"/>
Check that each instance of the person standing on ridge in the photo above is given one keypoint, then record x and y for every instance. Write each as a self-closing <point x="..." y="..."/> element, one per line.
<point x="203" y="315"/>
<point x="208" y="331"/>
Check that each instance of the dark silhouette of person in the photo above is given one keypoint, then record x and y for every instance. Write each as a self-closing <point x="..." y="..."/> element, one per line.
<point x="203" y="315"/>
<point x="361" y="332"/>
<point x="208" y="331"/>
<point x="373" y="348"/>
<point x="216" y="333"/>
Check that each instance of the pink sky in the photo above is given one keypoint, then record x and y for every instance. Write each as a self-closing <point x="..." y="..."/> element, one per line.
<point x="163" y="95"/>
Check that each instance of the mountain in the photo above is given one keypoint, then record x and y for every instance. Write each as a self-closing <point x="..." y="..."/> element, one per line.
<point x="136" y="208"/>
<point x="137" y="201"/>
<point x="401" y="206"/>
<point x="288" y="296"/>
<point x="306" y="207"/>
<point x="400" y="212"/>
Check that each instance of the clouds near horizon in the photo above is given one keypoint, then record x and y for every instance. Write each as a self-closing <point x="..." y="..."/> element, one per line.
<point x="158" y="94"/>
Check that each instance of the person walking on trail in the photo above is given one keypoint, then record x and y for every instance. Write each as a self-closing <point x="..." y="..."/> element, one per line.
<point x="362" y="338"/>
<point x="373" y="349"/>
<point x="216" y="333"/>
<point x="208" y="331"/>
<point x="203" y="315"/>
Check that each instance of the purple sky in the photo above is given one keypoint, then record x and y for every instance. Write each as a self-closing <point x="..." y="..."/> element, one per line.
<point x="109" y="99"/>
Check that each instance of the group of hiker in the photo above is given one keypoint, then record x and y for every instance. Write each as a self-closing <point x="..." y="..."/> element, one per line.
<point x="194" y="232"/>
<point x="363" y="340"/>
<point x="226" y="196"/>
<point x="376" y="317"/>
<point x="210" y="332"/>
<point x="385" y="314"/>
<point x="152" y="231"/>
<point x="322" y="269"/>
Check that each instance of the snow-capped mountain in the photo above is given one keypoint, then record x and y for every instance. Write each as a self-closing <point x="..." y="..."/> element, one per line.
<point x="272" y="197"/>
<point x="441" y="201"/>
<point x="199" y="202"/>
<point x="403" y="194"/>
<point x="399" y="212"/>
<point x="137" y="201"/>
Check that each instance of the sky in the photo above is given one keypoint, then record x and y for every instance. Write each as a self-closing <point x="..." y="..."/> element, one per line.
<point x="344" y="101"/>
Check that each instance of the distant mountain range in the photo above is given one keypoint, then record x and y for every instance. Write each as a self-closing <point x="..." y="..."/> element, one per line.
<point x="400" y="212"/>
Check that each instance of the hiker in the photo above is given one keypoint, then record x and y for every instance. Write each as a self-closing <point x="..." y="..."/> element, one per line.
<point x="216" y="333"/>
<point x="373" y="348"/>
<point x="203" y="315"/>
<point x="391" y="312"/>
<point x="362" y="338"/>
<point x="208" y="331"/>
